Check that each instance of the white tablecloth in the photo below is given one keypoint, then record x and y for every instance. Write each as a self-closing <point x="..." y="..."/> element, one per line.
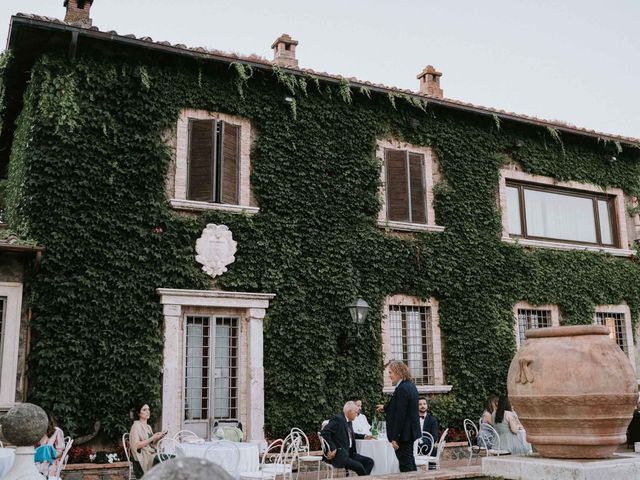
<point x="382" y="453"/>
<point x="7" y="457"/>
<point x="222" y="455"/>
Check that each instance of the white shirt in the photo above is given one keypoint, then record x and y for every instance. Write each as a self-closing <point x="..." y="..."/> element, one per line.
<point x="361" y="425"/>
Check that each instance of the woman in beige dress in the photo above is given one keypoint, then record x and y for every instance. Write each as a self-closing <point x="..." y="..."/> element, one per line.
<point x="142" y="440"/>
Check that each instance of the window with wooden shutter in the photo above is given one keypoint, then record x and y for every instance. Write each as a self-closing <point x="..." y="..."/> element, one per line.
<point x="201" y="155"/>
<point x="405" y="185"/>
<point x="213" y="163"/>
<point x="229" y="169"/>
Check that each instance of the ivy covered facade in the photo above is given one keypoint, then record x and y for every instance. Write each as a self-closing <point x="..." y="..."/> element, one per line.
<point x="99" y="138"/>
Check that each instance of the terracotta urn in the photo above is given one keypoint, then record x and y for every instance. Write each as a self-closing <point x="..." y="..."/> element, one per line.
<point x="574" y="391"/>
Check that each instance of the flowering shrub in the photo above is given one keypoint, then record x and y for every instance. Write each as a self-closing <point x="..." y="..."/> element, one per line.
<point x="456" y="435"/>
<point x="104" y="457"/>
<point x="80" y="455"/>
<point x="88" y="455"/>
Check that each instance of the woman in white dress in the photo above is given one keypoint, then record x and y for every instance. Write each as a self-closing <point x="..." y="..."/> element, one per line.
<point x="361" y="424"/>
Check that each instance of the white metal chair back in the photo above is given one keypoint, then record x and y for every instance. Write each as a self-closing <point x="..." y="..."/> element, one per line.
<point x="166" y="449"/>
<point x="274" y="448"/>
<point x="418" y="449"/>
<point x="56" y="469"/>
<point x="127" y="453"/>
<point x="441" y="443"/>
<point x="303" y="445"/>
<point x="472" y="433"/>
<point x="304" y="453"/>
<point x="425" y="460"/>
<point x="325" y="450"/>
<point x="226" y="454"/>
<point x="283" y="465"/>
<point x="187" y="436"/>
<point x="491" y="440"/>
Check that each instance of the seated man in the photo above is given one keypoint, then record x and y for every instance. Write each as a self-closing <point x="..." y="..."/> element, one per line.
<point x="341" y="438"/>
<point x="428" y="423"/>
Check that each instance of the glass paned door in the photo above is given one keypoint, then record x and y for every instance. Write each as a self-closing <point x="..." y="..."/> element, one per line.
<point x="211" y="372"/>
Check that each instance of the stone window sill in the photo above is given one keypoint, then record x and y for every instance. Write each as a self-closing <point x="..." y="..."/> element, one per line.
<point x="617" y="252"/>
<point x="194" y="206"/>
<point x="424" y="389"/>
<point x="410" y="227"/>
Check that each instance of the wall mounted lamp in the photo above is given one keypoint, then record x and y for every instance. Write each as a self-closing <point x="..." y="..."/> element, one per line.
<point x="359" y="309"/>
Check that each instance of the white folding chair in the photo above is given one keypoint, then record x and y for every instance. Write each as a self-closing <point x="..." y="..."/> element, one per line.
<point x="304" y="453"/>
<point x="491" y="441"/>
<point x="325" y="450"/>
<point x="187" y="436"/>
<point x="127" y="453"/>
<point x="274" y="448"/>
<point x="435" y="459"/>
<point x="283" y="465"/>
<point x="471" y="432"/>
<point x="166" y="449"/>
<point x="226" y="454"/>
<point x="56" y="469"/>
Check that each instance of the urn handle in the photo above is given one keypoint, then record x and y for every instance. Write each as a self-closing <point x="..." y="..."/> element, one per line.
<point x="525" y="375"/>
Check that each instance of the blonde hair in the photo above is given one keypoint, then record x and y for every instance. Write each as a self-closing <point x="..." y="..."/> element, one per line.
<point x="400" y="368"/>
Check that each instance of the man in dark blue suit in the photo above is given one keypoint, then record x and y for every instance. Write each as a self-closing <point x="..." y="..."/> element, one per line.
<point x="403" y="425"/>
<point x="428" y="423"/>
<point x="341" y="438"/>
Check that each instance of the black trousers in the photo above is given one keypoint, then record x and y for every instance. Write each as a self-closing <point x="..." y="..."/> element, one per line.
<point x="404" y="454"/>
<point x="358" y="463"/>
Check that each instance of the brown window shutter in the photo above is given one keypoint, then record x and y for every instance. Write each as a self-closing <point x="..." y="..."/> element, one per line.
<point x="230" y="163"/>
<point x="417" y="182"/>
<point x="397" y="188"/>
<point x="201" y="148"/>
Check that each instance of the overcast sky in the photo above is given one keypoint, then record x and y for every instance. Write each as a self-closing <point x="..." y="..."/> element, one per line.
<point x="571" y="60"/>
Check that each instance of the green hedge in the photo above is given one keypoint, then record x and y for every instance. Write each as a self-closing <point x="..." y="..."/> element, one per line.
<point x="87" y="180"/>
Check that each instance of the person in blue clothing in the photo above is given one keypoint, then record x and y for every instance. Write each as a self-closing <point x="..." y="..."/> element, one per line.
<point x="403" y="421"/>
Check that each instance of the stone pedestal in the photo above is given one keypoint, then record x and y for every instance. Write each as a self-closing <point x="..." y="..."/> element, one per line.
<point x="533" y="467"/>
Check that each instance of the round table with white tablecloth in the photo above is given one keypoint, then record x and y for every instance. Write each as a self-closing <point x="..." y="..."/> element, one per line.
<point x="222" y="454"/>
<point x="7" y="457"/>
<point x="382" y="453"/>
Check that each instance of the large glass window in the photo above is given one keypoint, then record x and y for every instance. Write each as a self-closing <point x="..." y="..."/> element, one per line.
<point x="412" y="340"/>
<point x="562" y="215"/>
<point x="615" y="322"/>
<point x="532" y="318"/>
<point x="405" y="185"/>
<point x="213" y="164"/>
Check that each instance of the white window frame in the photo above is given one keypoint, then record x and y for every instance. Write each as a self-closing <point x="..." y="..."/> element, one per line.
<point x="438" y="385"/>
<point x="555" y="316"/>
<point x="429" y="170"/>
<point x="178" y="182"/>
<point x="511" y="174"/>
<point x="628" y="330"/>
<point x="11" y="342"/>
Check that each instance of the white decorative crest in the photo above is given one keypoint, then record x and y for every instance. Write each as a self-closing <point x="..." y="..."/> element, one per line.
<point x="215" y="249"/>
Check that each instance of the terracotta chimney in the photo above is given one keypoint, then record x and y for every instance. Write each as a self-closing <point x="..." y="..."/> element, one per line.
<point x="284" y="51"/>
<point x="78" y="12"/>
<point x="430" y="82"/>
